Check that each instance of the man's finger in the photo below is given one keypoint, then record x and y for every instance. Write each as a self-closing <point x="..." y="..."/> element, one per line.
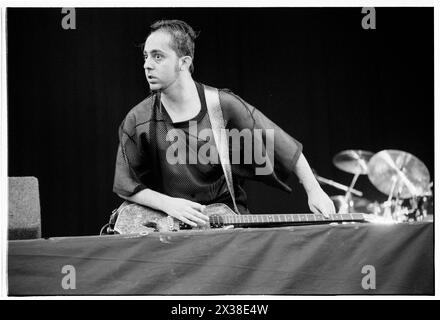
<point x="316" y="210"/>
<point x="193" y="215"/>
<point x="325" y="213"/>
<point x="197" y="206"/>
<point x="202" y="216"/>
<point x="194" y="221"/>
<point x="192" y="224"/>
<point x="332" y="208"/>
<point x="198" y="214"/>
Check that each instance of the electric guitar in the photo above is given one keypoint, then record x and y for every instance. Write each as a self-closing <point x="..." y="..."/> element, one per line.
<point x="134" y="218"/>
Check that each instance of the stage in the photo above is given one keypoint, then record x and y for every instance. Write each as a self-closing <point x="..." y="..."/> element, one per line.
<point x="395" y="259"/>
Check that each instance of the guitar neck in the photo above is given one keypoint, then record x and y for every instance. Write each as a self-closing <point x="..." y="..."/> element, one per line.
<point x="265" y="219"/>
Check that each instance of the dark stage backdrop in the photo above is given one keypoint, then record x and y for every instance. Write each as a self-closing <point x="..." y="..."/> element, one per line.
<point x="314" y="71"/>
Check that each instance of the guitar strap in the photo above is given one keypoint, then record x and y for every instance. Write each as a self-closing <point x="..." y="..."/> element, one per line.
<point x="221" y="140"/>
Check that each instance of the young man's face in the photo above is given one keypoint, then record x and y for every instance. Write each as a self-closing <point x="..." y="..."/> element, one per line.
<point x="161" y="63"/>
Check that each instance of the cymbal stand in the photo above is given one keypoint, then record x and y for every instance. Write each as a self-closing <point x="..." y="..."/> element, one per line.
<point x="346" y="207"/>
<point x="399" y="213"/>
<point x="338" y="185"/>
<point x="388" y="212"/>
<point x="393" y="186"/>
<point x="395" y="210"/>
<point x="350" y="188"/>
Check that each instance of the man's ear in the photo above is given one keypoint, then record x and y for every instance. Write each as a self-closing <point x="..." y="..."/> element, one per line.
<point x="186" y="62"/>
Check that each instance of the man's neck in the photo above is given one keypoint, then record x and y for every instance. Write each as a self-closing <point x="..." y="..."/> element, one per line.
<point x="179" y="94"/>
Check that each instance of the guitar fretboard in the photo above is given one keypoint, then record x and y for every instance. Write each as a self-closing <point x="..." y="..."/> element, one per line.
<point x="282" y="218"/>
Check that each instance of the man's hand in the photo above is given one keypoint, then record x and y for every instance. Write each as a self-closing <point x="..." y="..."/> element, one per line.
<point x="186" y="211"/>
<point x="182" y="209"/>
<point x="320" y="203"/>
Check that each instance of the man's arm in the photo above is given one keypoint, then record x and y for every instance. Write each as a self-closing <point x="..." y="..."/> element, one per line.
<point x="319" y="202"/>
<point x="187" y="211"/>
<point x="286" y="150"/>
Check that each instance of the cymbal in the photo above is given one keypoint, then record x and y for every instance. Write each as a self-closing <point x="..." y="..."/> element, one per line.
<point x="353" y="161"/>
<point x="398" y="172"/>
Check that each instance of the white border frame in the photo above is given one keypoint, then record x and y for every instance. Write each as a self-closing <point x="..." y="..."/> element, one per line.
<point x="192" y="3"/>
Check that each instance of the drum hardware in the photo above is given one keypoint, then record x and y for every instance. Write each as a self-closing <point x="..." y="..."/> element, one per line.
<point x="353" y="161"/>
<point x="395" y="171"/>
<point x="421" y="206"/>
<point x="398" y="174"/>
<point x="405" y="179"/>
<point x="336" y="185"/>
<point x="356" y="163"/>
<point x="354" y="204"/>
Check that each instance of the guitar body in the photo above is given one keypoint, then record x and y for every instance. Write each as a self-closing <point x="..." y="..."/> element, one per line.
<point x="135" y="218"/>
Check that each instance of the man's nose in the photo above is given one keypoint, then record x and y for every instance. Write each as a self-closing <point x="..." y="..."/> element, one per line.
<point x="147" y="64"/>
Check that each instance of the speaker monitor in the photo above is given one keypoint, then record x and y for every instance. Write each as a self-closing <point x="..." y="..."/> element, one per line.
<point x="24" y="208"/>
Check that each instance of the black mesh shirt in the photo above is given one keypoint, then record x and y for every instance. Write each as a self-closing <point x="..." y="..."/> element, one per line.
<point x="142" y="161"/>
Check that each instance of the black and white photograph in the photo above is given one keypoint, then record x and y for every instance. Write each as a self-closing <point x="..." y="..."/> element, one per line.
<point x="219" y="151"/>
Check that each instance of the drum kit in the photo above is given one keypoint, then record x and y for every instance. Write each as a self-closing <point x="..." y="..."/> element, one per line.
<point x="398" y="174"/>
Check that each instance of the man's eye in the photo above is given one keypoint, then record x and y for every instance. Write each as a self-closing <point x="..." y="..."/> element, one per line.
<point x="156" y="57"/>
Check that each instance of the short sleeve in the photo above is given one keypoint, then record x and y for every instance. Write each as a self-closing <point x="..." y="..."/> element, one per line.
<point x="279" y="150"/>
<point x="132" y="171"/>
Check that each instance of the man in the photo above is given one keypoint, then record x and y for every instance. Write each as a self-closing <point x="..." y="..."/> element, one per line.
<point x="144" y="173"/>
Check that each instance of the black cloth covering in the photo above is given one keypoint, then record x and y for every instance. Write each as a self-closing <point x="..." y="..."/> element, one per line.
<point x="324" y="259"/>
